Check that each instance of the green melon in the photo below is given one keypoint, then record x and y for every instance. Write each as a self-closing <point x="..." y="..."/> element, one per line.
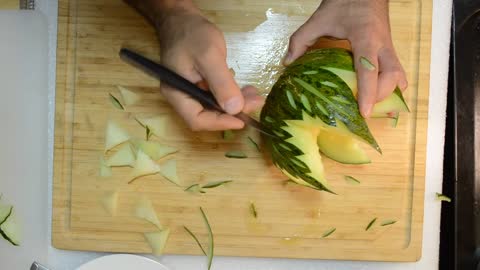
<point x="312" y="108"/>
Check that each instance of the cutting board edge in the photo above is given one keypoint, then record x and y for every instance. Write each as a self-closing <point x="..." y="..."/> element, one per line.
<point x="57" y="237"/>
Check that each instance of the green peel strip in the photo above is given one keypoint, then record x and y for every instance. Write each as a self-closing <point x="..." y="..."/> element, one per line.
<point x="253" y="210"/>
<point x="370" y="224"/>
<point x="196" y="239"/>
<point x="329" y="232"/>
<point x="116" y="103"/>
<point x="216" y="184"/>
<point x="352" y="180"/>
<point x="367" y="64"/>
<point x="388" y="222"/>
<point x="210" y="239"/>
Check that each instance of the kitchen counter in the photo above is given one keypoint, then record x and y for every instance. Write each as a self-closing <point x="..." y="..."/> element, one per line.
<point x="59" y="259"/>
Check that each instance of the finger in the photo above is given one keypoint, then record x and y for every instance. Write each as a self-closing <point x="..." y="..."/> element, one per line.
<point x="366" y="66"/>
<point x="194" y="114"/>
<point x="391" y="74"/>
<point x="253" y="101"/>
<point x="213" y="121"/>
<point x="220" y="80"/>
<point x="303" y="38"/>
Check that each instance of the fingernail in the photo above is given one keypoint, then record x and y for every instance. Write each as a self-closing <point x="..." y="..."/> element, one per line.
<point x="233" y="105"/>
<point x="367" y="111"/>
<point x="288" y="59"/>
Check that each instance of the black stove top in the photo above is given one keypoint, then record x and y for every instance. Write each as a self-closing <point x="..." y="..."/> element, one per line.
<point x="460" y="232"/>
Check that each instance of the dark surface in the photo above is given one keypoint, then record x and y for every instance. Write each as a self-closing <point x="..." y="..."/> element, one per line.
<point x="447" y="233"/>
<point x="461" y="219"/>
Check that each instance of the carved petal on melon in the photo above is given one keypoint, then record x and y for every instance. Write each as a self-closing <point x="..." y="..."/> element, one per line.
<point x="305" y="139"/>
<point x="109" y="202"/>
<point x="342" y="148"/>
<point x="157" y="240"/>
<point x="123" y="157"/>
<point x="154" y="150"/>
<point x="144" y="165"/>
<point x="169" y="170"/>
<point x="114" y="135"/>
<point x="144" y="210"/>
<point x="129" y="97"/>
<point x="393" y="103"/>
<point x="157" y="124"/>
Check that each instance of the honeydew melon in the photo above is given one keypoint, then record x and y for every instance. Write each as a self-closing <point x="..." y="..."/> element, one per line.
<point x="312" y="108"/>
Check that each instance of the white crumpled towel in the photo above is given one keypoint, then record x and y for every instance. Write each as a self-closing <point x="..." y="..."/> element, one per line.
<point x="442" y="11"/>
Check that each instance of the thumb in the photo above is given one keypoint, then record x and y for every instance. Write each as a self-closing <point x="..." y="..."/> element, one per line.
<point x="303" y="38"/>
<point x="222" y="84"/>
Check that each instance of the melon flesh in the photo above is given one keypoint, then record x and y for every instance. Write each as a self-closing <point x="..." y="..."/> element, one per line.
<point x="123" y="157"/>
<point x="5" y="211"/>
<point x="114" y="135"/>
<point x="109" y="202"/>
<point x="154" y="150"/>
<point x="143" y="165"/>
<point x="10" y="229"/>
<point x="393" y="103"/>
<point x="129" y="97"/>
<point x="105" y="170"/>
<point x="157" y="240"/>
<point x="157" y="124"/>
<point x="144" y="210"/>
<point x="169" y="170"/>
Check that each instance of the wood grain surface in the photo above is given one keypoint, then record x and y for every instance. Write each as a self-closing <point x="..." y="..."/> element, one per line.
<point x="291" y="219"/>
<point x="9" y="4"/>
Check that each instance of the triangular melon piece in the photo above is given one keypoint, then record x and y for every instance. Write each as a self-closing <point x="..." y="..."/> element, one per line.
<point x="5" y="211"/>
<point x="157" y="124"/>
<point x="105" y="170"/>
<point x="10" y="229"/>
<point x="144" y="210"/>
<point x="129" y="97"/>
<point x="114" y="135"/>
<point x="157" y="240"/>
<point x="169" y="170"/>
<point x="123" y="157"/>
<point x="144" y="165"/>
<point x="154" y="150"/>
<point x="109" y="202"/>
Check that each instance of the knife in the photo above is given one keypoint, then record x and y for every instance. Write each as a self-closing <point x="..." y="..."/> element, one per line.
<point x="166" y="75"/>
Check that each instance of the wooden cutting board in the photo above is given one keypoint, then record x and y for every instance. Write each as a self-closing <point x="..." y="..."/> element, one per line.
<point x="291" y="219"/>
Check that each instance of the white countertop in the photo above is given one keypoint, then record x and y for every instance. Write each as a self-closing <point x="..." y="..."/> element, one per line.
<point x="59" y="259"/>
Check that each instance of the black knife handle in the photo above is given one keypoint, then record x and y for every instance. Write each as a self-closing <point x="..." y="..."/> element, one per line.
<point x="171" y="78"/>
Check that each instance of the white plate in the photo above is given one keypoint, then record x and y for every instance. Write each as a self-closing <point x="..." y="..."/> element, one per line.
<point x="122" y="262"/>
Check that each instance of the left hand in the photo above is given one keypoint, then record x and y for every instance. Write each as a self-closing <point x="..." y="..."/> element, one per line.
<point x="365" y="23"/>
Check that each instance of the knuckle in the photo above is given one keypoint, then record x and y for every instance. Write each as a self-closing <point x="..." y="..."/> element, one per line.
<point x="210" y="53"/>
<point x="295" y="37"/>
<point x="396" y="73"/>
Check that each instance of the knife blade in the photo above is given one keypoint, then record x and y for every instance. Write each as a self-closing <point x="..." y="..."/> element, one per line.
<point x="168" y="76"/>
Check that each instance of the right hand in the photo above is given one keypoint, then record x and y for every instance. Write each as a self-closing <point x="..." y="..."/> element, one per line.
<point x="195" y="48"/>
<point x="365" y="23"/>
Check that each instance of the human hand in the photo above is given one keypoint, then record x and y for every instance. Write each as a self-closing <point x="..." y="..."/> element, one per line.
<point x="365" y="23"/>
<point x="195" y="48"/>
